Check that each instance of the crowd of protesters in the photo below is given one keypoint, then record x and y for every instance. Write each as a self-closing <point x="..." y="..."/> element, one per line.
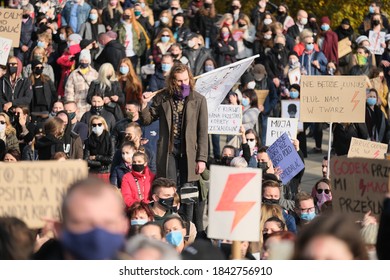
<point x="83" y="82"/>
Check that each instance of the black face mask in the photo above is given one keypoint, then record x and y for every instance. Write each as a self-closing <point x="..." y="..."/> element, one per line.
<point x="97" y="109"/>
<point x="166" y="202"/>
<point x="270" y="201"/>
<point x="207" y="5"/>
<point x="241" y="25"/>
<point x="129" y="115"/>
<point x="38" y="71"/>
<point x="279" y="47"/>
<point x="137" y="167"/>
<point x="84" y="65"/>
<point x="235" y="8"/>
<point x="226" y="160"/>
<point x="376" y="22"/>
<point x="126" y="17"/>
<point x="263" y="166"/>
<point x="175" y="55"/>
<point x="281" y="13"/>
<point x="226" y="249"/>
<point x="12" y="69"/>
<point x="25" y="16"/>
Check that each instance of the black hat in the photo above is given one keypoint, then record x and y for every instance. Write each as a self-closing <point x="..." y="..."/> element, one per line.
<point x="295" y="86"/>
<point x="270" y="176"/>
<point x="293" y="53"/>
<point x="346" y="21"/>
<point x="202" y="250"/>
<point x="191" y="36"/>
<point x="84" y="43"/>
<point x="246" y="78"/>
<point x="34" y="63"/>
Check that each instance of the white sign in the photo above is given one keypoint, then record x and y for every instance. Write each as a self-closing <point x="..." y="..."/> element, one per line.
<point x="5" y="48"/>
<point x="225" y="120"/>
<point x="291" y="109"/>
<point x="277" y="126"/>
<point x="215" y="85"/>
<point x="234" y="203"/>
<point x="376" y="39"/>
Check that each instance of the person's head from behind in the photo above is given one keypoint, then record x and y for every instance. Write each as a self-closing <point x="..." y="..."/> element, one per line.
<point x="54" y="127"/>
<point x="333" y="237"/>
<point x="152" y="230"/>
<point x="140" y="161"/>
<point x="270" y="192"/>
<point x="163" y="190"/>
<point x="128" y="149"/>
<point x="94" y="220"/>
<point x="12" y="155"/>
<point x="175" y="231"/>
<point x="238" y="162"/>
<point x="304" y="207"/>
<point x="278" y="246"/>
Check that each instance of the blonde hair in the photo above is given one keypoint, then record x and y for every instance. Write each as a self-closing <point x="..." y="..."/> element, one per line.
<point x="102" y="77"/>
<point x="100" y="118"/>
<point x="117" y="8"/>
<point x="9" y="129"/>
<point x="268" y="211"/>
<point x="168" y="14"/>
<point x="220" y="23"/>
<point x="41" y="51"/>
<point x="165" y="29"/>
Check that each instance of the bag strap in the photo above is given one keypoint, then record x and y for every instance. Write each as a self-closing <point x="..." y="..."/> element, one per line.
<point x="89" y="84"/>
<point x="140" y="196"/>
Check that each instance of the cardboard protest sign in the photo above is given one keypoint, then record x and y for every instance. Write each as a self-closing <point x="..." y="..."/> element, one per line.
<point x="359" y="185"/>
<point x="291" y="109"/>
<point x="31" y="191"/>
<point x="5" y="48"/>
<point x="261" y="96"/>
<point x="294" y="76"/>
<point x="225" y="120"/>
<point x="215" y="85"/>
<point x="344" y="47"/>
<point x="234" y="203"/>
<point x="333" y="99"/>
<point x="376" y="39"/>
<point x="283" y="154"/>
<point x="11" y="25"/>
<point x="366" y="149"/>
<point x="277" y="126"/>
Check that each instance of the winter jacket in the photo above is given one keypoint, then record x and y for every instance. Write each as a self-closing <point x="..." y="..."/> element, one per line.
<point x="306" y="61"/>
<point x="50" y="94"/>
<point x="47" y="146"/>
<point x="197" y="58"/>
<point x="139" y="43"/>
<point x="47" y="70"/>
<point x="225" y="52"/>
<point x="103" y="160"/>
<point x="21" y="94"/>
<point x="136" y="186"/>
<point x="117" y="174"/>
<point x="112" y="53"/>
<point x="157" y="81"/>
<point x="108" y="117"/>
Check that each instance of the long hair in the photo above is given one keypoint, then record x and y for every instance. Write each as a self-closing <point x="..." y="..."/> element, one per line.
<point x="171" y="82"/>
<point x="134" y="22"/>
<point x="165" y="29"/>
<point x="133" y="86"/>
<point x="100" y="118"/>
<point x="54" y="126"/>
<point x="9" y="129"/>
<point x="210" y="12"/>
<point x="39" y="51"/>
<point x="110" y="9"/>
<point x="43" y="78"/>
<point x="104" y="82"/>
<point x="20" y="65"/>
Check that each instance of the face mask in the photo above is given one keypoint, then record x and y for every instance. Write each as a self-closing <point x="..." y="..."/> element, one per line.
<point x="252" y="144"/>
<point x="13" y="69"/>
<point x="38" y="57"/>
<point x="191" y="44"/>
<point x="263" y="166"/>
<point x="207" y="5"/>
<point x="62" y="37"/>
<point x="225" y="35"/>
<point x="113" y="3"/>
<point x="126" y="17"/>
<point x="165" y="39"/>
<point x="164" y="20"/>
<point x="281" y="13"/>
<point x="293" y="63"/>
<point x="267" y="36"/>
<point x="226" y="160"/>
<point x="97" y="109"/>
<point x="241" y="25"/>
<point x="185" y="90"/>
<point x="303" y="21"/>
<point x="38" y="71"/>
<point x="309" y="47"/>
<point x="98" y="130"/>
<point x="166" y="67"/>
<point x="166" y="202"/>
<point x="84" y="65"/>
<point x="138" y="222"/>
<point x="137" y="167"/>
<point x="294" y="94"/>
<point x="251" y="85"/>
<point x="371" y="10"/>
<point x="72" y="115"/>
<point x="331" y="71"/>
<point x="41" y="44"/>
<point x="2" y="127"/>
<point x="322" y="198"/>
<point x="137" y="13"/>
<point x="175" y="56"/>
<point x="308" y="216"/>
<point x="267" y="21"/>
<point x="208" y="68"/>
<point x="325" y="27"/>
<point x="279" y="47"/>
<point x="97" y="244"/>
<point x="25" y="16"/>
<point x="235" y="8"/>
<point x="270" y="201"/>
<point x="124" y="70"/>
<point x="245" y="102"/>
<point x="93" y="17"/>
<point x="174" y="237"/>
<point x="361" y="59"/>
<point x="376" y="22"/>
<point x="371" y="101"/>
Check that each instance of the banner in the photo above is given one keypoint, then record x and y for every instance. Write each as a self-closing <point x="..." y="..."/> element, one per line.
<point x="359" y="185"/>
<point x="234" y="203"/>
<point x="31" y="191"/>
<point x="333" y="99"/>
<point x="5" y="48"/>
<point x="291" y="109"/>
<point x="216" y="84"/>
<point x="376" y="39"/>
<point x="226" y="119"/>
<point x="283" y="154"/>
<point x="277" y="126"/>
<point x="11" y="25"/>
<point x="344" y="47"/>
<point x="367" y="149"/>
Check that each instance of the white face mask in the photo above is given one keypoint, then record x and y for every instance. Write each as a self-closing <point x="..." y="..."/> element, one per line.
<point x="251" y="85"/>
<point x="164" y="20"/>
<point x="2" y="127"/>
<point x="303" y="21"/>
<point x="252" y="144"/>
<point x="98" y="130"/>
<point x="267" y="21"/>
<point x="191" y="44"/>
<point x="267" y="37"/>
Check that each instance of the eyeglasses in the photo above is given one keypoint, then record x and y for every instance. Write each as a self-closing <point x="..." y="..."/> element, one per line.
<point x="97" y="124"/>
<point x="319" y="191"/>
<point x="2" y="122"/>
<point x="252" y="139"/>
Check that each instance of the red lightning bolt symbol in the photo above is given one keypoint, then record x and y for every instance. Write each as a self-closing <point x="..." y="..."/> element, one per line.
<point x="376" y="154"/>
<point x="355" y="101"/>
<point x="235" y="183"/>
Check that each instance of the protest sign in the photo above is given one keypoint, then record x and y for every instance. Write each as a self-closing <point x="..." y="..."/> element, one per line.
<point x="333" y="99"/>
<point x="277" y="126"/>
<point x="366" y="149"/>
<point x="376" y="39"/>
<point x="344" y="47"/>
<point x="5" y="48"/>
<point x="290" y="109"/>
<point x="261" y="96"/>
<point x="234" y="203"/>
<point x="283" y="154"/>
<point x="294" y="76"/>
<point x="215" y="85"/>
<point x="225" y="120"/>
<point x="11" y="25"/>
<point x="31" y="191"/>
<point x="359" y="185"/>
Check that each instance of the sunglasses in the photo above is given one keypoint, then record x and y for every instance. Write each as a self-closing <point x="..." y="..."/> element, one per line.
<point x="319" y="191"/>
<point x="97" y="124"/>
<point x="165" y="36"/>
<point x="39" y="67"/>
<point x="252" y="139"/>
<point x="2" y="122"/>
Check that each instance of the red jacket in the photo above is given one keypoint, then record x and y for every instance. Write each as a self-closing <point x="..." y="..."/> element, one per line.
<point x="129" y="187"/>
